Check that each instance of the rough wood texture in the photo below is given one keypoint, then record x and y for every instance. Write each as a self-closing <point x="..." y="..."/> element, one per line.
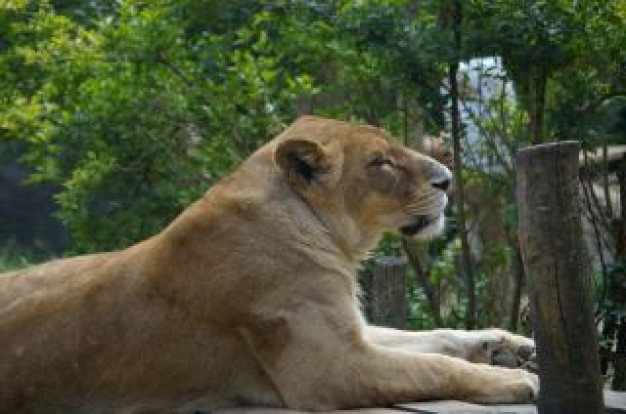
<point x="557" y="268"/>
<point x="386" y="293"/>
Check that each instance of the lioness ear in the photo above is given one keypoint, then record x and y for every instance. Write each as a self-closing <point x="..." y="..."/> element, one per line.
<point x="303" y="161"/>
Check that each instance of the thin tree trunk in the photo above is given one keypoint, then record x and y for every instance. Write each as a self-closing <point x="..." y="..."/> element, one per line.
<point x="518" y="277"/>
<point x="421" y="276"/>
<point x="605" y="179"/>
<point x="454" y="19"/>
<point x="620" y="247"/>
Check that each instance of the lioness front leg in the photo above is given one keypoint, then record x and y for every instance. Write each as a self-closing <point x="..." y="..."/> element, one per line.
<point x="371" y="376"/>
<point x="330" y="367"/>
<point x="492" y="346"/>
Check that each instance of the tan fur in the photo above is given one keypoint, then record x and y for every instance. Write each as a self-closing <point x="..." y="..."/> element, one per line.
<point x="248" y="298"/>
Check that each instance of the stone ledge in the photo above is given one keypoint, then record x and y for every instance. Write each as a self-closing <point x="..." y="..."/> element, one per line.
<point x="615" y="404"/>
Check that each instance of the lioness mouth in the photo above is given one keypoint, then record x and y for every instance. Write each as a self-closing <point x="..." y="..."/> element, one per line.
<point x="421" y="222"/>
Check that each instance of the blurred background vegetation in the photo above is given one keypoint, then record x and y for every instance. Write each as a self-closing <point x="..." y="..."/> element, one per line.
<point x="128" y="110"/>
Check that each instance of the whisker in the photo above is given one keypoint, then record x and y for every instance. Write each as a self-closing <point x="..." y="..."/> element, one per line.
<point x="423" y="203"/>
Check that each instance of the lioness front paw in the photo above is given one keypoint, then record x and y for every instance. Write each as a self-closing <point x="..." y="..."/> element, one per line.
<point x="532" y="381"/>
<point x="528" y="361"/>
<point x="535" y="384"/>
<point x="502" y="348"/>
<point x="510" y="386"/>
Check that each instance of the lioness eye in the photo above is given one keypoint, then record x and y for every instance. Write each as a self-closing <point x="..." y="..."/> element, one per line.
<point x="380" y="161"/>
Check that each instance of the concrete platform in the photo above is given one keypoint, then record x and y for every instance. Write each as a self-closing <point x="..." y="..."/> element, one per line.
<point x="615" y="403"/>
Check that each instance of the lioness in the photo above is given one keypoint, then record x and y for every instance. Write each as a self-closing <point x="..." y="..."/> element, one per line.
<point x="249" y="297"/>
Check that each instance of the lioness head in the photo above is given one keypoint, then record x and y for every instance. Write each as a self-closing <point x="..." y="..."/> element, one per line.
<point x="360" y="182"/>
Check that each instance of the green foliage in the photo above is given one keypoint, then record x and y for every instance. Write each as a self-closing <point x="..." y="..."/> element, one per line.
<point x="136" y="108"/>
<point x="419" y="317"/>
<point x="133" y="116"/>
<point x="576" y="47"/>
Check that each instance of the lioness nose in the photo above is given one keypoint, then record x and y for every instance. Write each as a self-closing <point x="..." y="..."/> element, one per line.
<point x="442" y="184"/>
<point x="442" y="179"/>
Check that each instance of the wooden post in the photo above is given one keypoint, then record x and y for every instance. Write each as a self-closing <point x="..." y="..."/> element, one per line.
<point x="557" y="267"/>
<point x="386" y="292"/>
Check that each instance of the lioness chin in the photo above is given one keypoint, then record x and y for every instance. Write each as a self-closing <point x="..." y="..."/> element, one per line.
<point x="249" y="297"/>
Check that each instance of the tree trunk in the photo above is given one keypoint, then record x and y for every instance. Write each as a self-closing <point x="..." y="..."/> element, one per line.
<point x="452" y="21"/>
<point x="421" y="275"/>
<point x="620" y="249"/>
<point x="560" y="279"/>
<point x="518" y="278"/>
<point x="539" y="83"/>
